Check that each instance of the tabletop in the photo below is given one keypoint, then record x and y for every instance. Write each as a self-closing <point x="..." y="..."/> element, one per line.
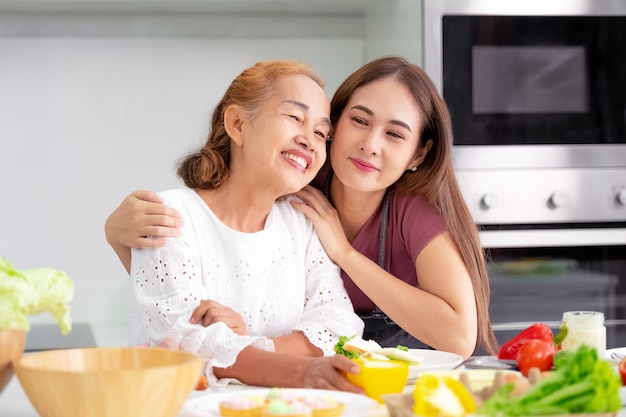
<point x="14" y="403"/>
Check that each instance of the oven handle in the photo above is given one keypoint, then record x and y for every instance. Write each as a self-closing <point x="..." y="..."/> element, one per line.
<point x="539" y="238"/>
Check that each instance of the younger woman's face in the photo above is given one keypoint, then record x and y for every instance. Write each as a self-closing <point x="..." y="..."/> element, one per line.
<point x="376" y="137"/>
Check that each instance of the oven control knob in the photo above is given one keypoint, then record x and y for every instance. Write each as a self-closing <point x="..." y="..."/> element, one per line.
<point x="557" y="200"/>
<point x="621" y="197"/>
<point x="489" y="201"/>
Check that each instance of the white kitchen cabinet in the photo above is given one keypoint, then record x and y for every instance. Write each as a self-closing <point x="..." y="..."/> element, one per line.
<point x="385" y="26"/>
<point x="193" y="6"/>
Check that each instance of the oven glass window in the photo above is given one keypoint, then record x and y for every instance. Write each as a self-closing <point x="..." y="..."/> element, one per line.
<point x="529" y="79"/>
<point x="533" y="80"/>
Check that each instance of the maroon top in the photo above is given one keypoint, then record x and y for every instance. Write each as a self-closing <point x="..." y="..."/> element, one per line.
<point x="411" y="225"/>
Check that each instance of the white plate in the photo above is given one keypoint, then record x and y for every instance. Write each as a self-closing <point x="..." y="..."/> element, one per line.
<point x="433" y="360"/>
<point x="619" y="350"/>
<point x="208" y="405"/>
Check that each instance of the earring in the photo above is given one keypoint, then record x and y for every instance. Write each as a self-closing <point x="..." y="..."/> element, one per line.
<point x="414" y="168"/>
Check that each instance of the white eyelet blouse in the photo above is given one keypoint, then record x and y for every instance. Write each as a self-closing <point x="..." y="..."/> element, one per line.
<point x="279" y="279"/>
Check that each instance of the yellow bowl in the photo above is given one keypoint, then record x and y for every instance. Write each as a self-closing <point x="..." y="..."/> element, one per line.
<point x="108" y="382"/>
<point x="11" y="348"/>
<point x="380" y="377"/>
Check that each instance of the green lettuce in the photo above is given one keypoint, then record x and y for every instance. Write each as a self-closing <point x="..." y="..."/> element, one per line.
<point x="581" y="383"/>
<point x="341" y="351"/>
<point x="33" y="291"/>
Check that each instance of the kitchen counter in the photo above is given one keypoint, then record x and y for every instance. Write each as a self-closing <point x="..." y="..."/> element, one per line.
<point x="14" y="403"/>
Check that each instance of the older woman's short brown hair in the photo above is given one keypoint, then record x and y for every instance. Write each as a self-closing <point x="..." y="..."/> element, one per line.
<point x="208" y="167"/>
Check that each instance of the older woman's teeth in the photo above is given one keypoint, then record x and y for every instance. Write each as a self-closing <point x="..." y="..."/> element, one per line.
<point x="297" y="159"/>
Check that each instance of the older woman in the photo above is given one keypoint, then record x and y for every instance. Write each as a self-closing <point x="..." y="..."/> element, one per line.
<point x="247" y="283"/>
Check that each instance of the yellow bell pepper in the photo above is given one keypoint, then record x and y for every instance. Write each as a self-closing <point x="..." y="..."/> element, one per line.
<point x="445" y="396"/>
<point x="378" y="377"/>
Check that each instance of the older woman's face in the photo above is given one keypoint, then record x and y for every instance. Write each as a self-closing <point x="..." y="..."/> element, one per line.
<point x="289" y="135"/>
<point x="376" y="137"/>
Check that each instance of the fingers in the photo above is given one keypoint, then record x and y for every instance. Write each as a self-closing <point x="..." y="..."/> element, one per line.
<point x="147" y="196"/>
<point x="149" y="203"/>
<point x="233" y="323"/>
<point x="329" y="373"/>
<point x="149" y="242"/>
<point x="148" y="219"/>
<point x="139" y="217"/>
<point x="311" y="195"/>
<point x="198" y="313"/>
<point x="210" y="312"/>
<point x="344" y="364"/>
<point x="161" y="213"/>
<point x="305" y="209"/>
<point x="162" y="231"/>
<point x="342" y="384"/>
<point x="309" y="189"/>
<point x="315" y="200"/>
<point x="308" y="206"/>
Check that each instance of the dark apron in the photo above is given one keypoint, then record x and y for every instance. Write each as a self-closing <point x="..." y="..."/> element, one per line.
<point x="388" y="334"/>
<point x="378" y="326"/>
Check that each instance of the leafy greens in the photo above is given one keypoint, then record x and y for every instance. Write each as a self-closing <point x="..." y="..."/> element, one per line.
<point x="341" y="351"/>
<point x="33" y="291"/>
<point x="581" y="383"/>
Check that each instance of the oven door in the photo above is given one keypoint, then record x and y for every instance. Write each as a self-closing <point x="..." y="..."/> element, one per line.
<point x="532" y="283"/>
<point x="514" y="80"/>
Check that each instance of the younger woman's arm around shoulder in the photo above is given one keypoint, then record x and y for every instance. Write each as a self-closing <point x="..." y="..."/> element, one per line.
<point x="441" y="312"/>
<point x="140" y="221"/>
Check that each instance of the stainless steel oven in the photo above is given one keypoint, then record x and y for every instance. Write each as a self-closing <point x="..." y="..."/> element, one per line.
<point x="537" y="95"/>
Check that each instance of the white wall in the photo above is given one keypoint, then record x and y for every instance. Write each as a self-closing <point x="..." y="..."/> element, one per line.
<point x="394" y="28"/>
<point x="84" y="121"/>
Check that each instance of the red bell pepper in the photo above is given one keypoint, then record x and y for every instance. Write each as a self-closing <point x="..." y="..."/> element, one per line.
<point x="536" y="331"/>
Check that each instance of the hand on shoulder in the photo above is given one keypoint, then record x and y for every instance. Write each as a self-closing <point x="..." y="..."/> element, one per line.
<point x="142" y="220"/>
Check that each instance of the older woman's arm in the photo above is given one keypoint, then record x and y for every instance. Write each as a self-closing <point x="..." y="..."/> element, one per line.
<point x="289" y="370"/>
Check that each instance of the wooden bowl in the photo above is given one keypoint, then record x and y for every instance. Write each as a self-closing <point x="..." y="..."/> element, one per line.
<point x="108" y="382"/>
<point x="11" y="348"/>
